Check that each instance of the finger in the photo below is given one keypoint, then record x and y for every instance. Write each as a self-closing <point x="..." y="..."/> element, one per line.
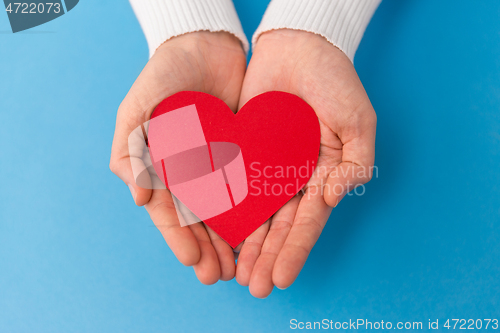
<point x="358" y="155"/>
<point x="126" y="161"/>
<point x="207" y="269"/>
<point x="237" y="249"/>
<point x="249" y="253"/>
<point x="225" y="255"/>
<point x="129" y="141"/>
<point x="312" y="214"/>
<point x="261" y="283"/>
<point x="344" y="178"/>
<point x="150" y="88"/>
<point x="181" y="240"/>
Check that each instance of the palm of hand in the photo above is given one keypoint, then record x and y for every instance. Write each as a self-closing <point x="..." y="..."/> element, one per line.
<point x="310" y="67"/>
<point x="292" y="61"/>
<point x="208" y="62"/>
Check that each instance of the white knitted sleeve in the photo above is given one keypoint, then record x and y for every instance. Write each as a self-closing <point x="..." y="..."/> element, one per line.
<point x="341" y="22"/>
<point x="163" y="19"/>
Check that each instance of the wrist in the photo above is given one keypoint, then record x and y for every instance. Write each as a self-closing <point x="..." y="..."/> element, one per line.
<point x="162" y="20"/>
<point x="205" y="40"/>
<point x="298" y="44"/>
<point x="340" y="22"/>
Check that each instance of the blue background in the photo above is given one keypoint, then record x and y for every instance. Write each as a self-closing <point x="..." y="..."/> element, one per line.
<point x="423" y="243"/>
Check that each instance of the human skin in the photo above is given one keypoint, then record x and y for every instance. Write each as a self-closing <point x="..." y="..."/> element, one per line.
<point x="210" y="62"/>
<point x="297" y="62"/>
<point x="310" y="67"/>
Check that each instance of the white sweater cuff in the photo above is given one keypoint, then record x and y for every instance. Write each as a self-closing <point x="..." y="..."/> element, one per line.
<point x="341" y="22"/>
<point x="163" y="19"/>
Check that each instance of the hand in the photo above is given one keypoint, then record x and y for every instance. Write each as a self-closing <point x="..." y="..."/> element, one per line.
<point x="309" y="66"/>
<point x="209" y="62"/>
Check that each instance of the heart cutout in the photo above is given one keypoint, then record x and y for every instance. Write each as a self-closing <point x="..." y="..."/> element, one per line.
<point x="234" y="171"/>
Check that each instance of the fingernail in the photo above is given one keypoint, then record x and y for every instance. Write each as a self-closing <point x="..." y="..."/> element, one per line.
<point x="132" y="191"/>
<point x="280" y="288"/>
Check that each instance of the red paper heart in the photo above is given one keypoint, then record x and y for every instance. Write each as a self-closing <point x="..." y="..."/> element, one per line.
<point x="278" y="136"/>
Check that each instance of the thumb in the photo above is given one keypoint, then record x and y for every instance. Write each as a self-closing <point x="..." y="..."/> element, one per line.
<point x="356" y="168"/>
<point x="127" y="162"/>
<point x="344" y="178"/>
